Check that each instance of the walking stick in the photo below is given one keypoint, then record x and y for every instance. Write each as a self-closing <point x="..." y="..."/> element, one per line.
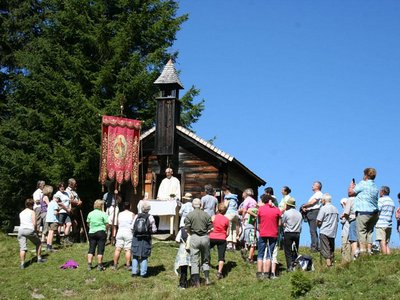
<point x="84" y="226"/>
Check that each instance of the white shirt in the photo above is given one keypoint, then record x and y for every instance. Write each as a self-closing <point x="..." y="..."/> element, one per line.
<point x="125" y="220"/>
<point x="37" y="196"/>
<point x="25" y="218"/>
<point x="169" y="186"/>
<point x="64" y="199"/>
<point x="317" y="195"/>
<point x="74" y="194"/>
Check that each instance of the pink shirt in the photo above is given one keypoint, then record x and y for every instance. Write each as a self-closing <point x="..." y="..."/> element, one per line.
<point x="220" y="226"/>
<point x="268" y="217"/>
<point x="248" y="203"/>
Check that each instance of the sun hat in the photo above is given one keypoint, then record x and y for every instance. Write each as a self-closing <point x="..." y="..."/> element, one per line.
<point x="291" y="202"/>
<point x="188" y="196"/>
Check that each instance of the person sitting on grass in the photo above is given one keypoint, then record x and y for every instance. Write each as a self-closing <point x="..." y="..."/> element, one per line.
<point x="27" y="230"/>
<point x="124" y="236"/>
<point x="218" y="236"/>
<point x="327" y="221"/>
<point x="97" y="221"/>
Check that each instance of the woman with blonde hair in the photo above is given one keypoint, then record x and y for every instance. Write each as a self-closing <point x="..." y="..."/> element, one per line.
<point x="44" y="203"/>
<point x="97" y="221"/>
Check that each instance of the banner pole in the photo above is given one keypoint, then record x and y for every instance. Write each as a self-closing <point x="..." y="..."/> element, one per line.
<point x="84" y="226"/>
<point x="113" y="218"/>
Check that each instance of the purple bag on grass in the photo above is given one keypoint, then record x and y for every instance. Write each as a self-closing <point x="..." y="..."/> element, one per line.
<point x="70" y="264"/>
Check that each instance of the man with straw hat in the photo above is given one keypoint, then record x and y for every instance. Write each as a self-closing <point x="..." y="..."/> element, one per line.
<point x="291" y="222"/>
<point x="186" y="208"/>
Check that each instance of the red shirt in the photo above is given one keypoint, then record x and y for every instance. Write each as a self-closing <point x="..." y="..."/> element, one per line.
<point x="220" y="224"/>
<point x="268" y="218"/>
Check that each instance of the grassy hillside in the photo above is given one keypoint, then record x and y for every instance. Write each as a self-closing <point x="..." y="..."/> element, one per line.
<point x="375" y="277"/>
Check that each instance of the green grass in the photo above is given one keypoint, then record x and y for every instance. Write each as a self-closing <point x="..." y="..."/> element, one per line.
<point x="375" y="277"/>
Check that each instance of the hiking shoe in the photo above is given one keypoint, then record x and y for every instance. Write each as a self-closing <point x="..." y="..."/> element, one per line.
<point x="41" y="260"/>
<point x="260" y="275"/>
<point x="250" y="261"/>
<point x="208" y="282"/>
<point x="67" y="242"/>
<point x="243" y="253"/>
<point x="181" y="287"/>
<point x="219" y="275"/>
<point x="100" y="268"/>
<point x="89" y="267"/>
<point x="22" y="266"/>
<point x="114" y="268"/>
<point x="128" y="268"/>
<point x="273" y="276"/>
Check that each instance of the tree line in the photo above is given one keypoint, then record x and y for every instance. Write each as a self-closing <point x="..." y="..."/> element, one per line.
<point x="64" y="64"/>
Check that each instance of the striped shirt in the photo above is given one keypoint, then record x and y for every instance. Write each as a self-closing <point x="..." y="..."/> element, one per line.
<point x="367" y="196"/>
<point x="386" y="210"/>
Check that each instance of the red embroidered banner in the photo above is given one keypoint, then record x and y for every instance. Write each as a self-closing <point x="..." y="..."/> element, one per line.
<point x="120" y="150"/>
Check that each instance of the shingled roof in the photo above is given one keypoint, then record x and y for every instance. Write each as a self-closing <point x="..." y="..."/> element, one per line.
<point x="169" y="75"/>
<point x="201" y="143"/>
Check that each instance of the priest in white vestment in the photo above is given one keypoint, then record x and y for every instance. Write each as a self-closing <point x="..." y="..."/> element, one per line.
<point x="170" y="189"/>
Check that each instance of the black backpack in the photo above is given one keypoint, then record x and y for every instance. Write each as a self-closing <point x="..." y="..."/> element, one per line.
<point x="141" y="227"/>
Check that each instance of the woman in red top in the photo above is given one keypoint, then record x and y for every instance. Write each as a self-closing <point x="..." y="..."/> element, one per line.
<point x="218" y="236"/>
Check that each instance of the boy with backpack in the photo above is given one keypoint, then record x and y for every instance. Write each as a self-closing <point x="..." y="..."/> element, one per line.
<point x="143" y="226"/>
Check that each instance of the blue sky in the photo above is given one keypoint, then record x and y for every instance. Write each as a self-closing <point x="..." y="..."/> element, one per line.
<point x="298" y="91"/>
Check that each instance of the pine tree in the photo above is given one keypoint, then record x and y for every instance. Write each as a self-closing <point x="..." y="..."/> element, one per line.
<point x="64" y="64"/>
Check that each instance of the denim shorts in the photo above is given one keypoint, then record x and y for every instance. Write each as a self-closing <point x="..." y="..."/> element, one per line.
<point x="353" y="231"/>
<point x="266" y="247"/>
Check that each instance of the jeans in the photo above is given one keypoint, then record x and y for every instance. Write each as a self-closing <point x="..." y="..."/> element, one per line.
<point x="266" y="246"/>
<point x="143" y="265"/>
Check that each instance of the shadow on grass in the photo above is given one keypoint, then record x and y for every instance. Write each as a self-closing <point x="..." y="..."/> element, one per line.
<point x="228" y="267"/>
<point x="155" y="270"/>
<point x="34" y="260"/>
<point x="108" y="264"/>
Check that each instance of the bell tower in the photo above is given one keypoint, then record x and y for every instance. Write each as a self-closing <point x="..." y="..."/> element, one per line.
<point x="168" y="116"/>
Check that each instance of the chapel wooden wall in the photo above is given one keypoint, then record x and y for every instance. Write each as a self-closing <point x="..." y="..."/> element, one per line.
<point x="194" y="173"/>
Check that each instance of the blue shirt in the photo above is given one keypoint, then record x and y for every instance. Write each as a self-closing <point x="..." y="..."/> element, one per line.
<point x="367" y="196"/>
<point x="233" y="205"/>
<point x="386" y="209"/>
<point x="209" y="203"/>
<point x="50" y="216"/>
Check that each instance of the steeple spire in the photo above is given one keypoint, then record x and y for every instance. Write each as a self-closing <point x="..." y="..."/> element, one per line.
<point x="169" y="76"/>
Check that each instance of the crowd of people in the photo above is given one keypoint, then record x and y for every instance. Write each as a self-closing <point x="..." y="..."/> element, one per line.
<point x="263" y="226"/>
